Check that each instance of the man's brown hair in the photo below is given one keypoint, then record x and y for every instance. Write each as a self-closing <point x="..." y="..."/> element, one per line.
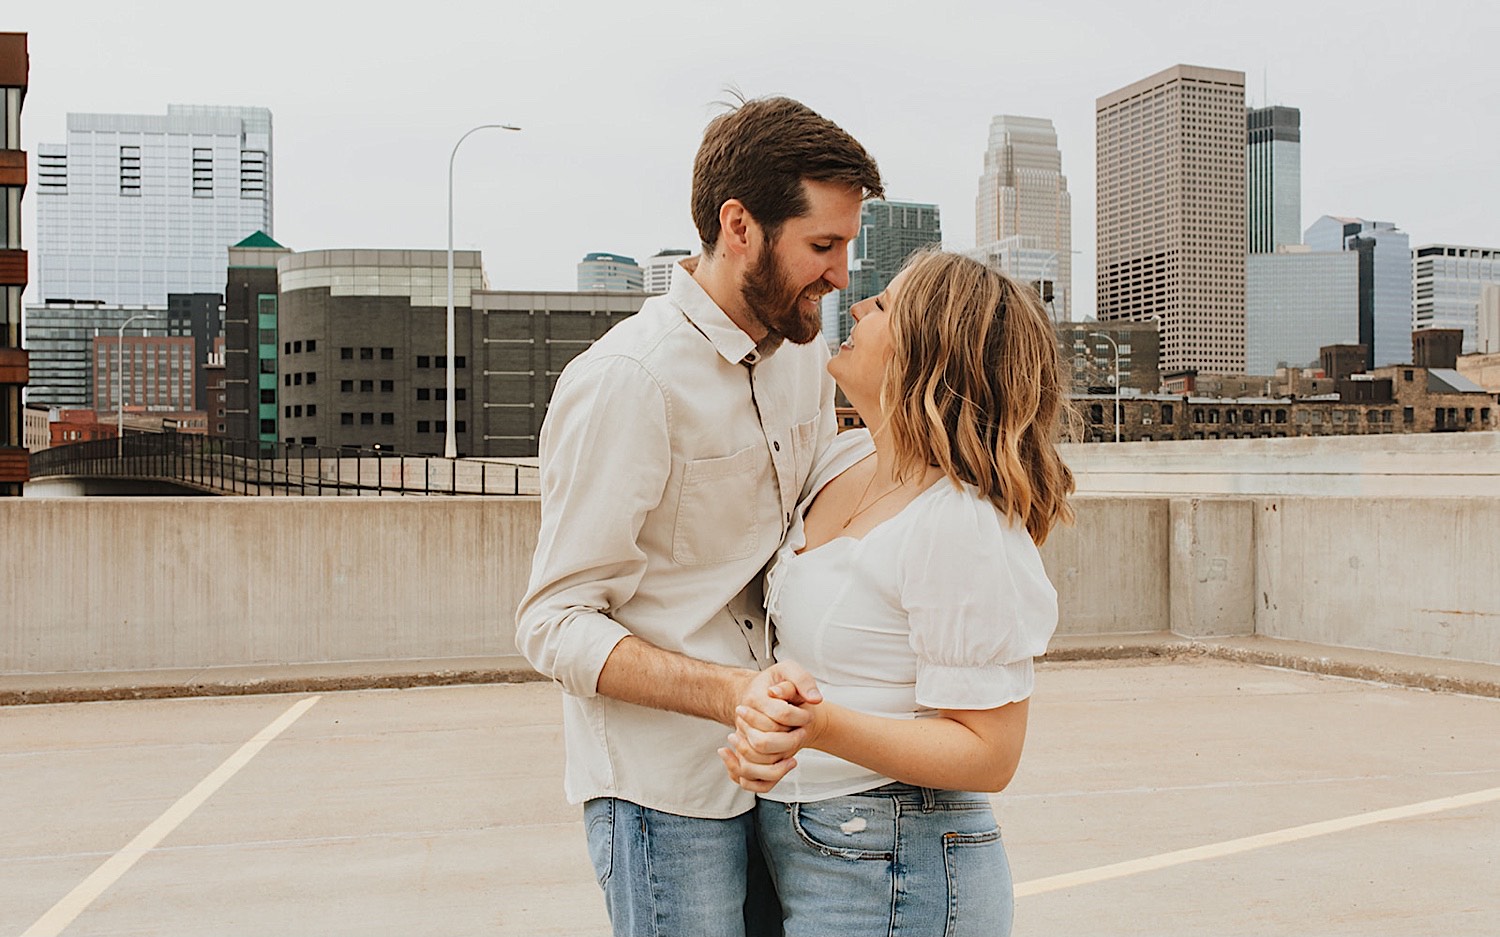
<point x="760" y="151"/>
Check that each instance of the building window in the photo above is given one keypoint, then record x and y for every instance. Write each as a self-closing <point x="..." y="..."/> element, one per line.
<point x="1408" y="416"/>
<point x="346" y="387"/>
<point x="441" y="361"/>
<point x="367" y="419"/>
<point x="1166" y="414"/>
<point x="460" y="393"/>
<point x="459" y="361"/>
<point x="367" y="387"/>
<point x="268" y="427"/>
<point x="424" y="426"/>
<point x="1096" y="413"/>
<point x="286" y="380"/>
<point x="312" y="409"/>
<point x="387" y="354"/>
<point x="312" y="377"/>
<point x="1281" y="416"/>
<point x="268" y="396"/>
<point x="424" y="361"/>
<point x="387" y="387"/>
<point x="346" y="354"/>
<point x="296" y="348"/>
<point x="309" y="440"/>
<point x="346" y="419"/>
<point x="460" y="427"/>
<point x="268" y="365"/>
<point x="130" y="173"/>
<point x="312" y="344"/>
<point x="387" y="419"/>
<point x="268" y="337"/>
<point x="297" y="378"/>
<point x="203" y="174"/>
<point x="367" y="354"/>
<point x="440" y="393"/>
<point x="423" y="393"/>
<point x="1406" y="375"/>
<point x="287" y="349"/>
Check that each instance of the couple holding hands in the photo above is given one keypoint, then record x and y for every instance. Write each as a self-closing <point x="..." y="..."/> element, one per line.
<point x="860" y="610"/>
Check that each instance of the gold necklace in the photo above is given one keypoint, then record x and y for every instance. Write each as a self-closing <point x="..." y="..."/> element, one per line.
<point x="860" y="510"/>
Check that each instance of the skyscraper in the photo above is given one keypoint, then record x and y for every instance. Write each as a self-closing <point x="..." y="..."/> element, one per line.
<point x="14" y="71"/>
<point x="1447" y="281"/>
<point x="133" y="207"/>
<point x="600" y="271"/>
<point x="889" y="232"/>
<point x="1171" y="213"/>
<point x="1273" y="178"/>
<point x="1297" y="301"/>
<point x="1384" y="281"/>
<point x="659" y="268"/>
<point x="1023" y="215"/>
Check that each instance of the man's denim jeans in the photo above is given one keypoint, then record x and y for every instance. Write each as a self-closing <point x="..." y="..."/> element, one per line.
<point x="665" y="875"/>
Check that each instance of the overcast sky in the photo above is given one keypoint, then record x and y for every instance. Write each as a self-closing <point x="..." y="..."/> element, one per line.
<point x="1400" y="104"/>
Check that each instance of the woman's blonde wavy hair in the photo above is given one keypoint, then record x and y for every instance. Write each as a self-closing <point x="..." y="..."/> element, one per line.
<point x="974" y="387"/>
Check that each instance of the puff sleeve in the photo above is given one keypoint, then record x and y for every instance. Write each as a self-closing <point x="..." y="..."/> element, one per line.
<point x="978" y="601"/>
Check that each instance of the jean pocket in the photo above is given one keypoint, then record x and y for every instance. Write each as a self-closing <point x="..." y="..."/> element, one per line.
<point x="847" y="827"/>
<point x="599" y="824"/>
<point x="981" y="898"/>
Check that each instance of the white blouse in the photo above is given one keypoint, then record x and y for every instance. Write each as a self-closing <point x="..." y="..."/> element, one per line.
<point x="942" y="606"/>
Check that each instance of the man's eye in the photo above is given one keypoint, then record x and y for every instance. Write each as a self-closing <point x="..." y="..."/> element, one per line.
<point x="822" y="248"/>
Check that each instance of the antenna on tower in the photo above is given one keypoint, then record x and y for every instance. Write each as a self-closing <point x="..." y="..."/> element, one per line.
<point x="1265" y="95"/>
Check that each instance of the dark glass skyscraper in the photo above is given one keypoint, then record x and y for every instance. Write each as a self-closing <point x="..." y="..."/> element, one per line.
<point x="1273" y="178"/>
<point x="889" y="233"/>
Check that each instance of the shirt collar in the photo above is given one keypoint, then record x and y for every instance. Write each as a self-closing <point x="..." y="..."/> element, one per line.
<point x="728" y="339"/>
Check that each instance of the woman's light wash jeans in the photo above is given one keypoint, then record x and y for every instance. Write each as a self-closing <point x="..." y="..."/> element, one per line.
<point x="666" y="875"/>
<point x="897" y="861"/>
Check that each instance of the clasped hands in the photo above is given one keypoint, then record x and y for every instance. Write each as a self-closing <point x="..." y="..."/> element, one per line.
<point x="777" y="716"/>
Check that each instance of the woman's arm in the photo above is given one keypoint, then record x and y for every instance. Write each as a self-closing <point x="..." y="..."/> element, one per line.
<point x="960" y="749"/>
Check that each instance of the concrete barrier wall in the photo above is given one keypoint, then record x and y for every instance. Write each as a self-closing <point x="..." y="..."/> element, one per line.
<point x="142" y="584"/>
<point x="107" y="584"/>
<point x="1411" y="576"/>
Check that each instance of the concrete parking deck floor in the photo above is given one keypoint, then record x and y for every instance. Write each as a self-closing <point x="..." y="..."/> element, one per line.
<point x="1166" y="798"/>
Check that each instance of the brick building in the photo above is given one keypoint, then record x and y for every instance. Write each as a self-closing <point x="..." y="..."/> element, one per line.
<point x="14" y="367"/>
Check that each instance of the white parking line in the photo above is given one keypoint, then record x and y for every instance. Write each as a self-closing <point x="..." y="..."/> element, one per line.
<point x="1245" y="844"/>
<point x="74" y="902"/>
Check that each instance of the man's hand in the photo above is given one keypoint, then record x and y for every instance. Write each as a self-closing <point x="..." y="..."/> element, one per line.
<point x="772" y="723"/>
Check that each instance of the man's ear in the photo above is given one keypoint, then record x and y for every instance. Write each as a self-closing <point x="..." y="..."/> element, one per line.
<point x="737" y="228"/>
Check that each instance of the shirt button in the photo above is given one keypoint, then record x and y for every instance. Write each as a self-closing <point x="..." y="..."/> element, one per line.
<point x="776" y="445"/>
<point x="749" y="625"/>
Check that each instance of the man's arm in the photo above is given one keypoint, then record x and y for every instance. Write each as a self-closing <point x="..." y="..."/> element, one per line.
<point x="605" y="461"/>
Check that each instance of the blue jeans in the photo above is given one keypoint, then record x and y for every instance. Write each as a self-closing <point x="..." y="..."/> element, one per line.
<point x="897" y="861"/>
<point x="665" y="875"/>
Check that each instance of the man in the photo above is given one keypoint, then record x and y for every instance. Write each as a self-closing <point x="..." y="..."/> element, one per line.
<point x="672" y="458"/>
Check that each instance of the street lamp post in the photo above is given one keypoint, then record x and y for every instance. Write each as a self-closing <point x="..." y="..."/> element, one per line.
<point x="450" y="439"/>
<point x="1117" y="378"/>
<point x="120" y="385"/>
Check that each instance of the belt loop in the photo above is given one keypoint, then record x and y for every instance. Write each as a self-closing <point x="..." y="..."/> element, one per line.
<point x="929" y="799"/>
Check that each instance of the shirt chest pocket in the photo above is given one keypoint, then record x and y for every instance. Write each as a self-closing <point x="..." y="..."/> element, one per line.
<point x="805" y="450"/>
<point x="716" y="509"/>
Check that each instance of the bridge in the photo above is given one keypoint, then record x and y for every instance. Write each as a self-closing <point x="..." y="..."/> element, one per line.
<point x="173" y="462"/>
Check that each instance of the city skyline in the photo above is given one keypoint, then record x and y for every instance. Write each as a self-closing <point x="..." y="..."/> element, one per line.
<point x="579" y="178"/>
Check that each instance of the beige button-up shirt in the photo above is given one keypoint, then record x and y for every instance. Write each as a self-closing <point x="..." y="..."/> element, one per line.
<point x="672" y="458"/>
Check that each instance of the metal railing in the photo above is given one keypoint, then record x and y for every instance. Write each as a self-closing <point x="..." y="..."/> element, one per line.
<point x="239" y="467"/>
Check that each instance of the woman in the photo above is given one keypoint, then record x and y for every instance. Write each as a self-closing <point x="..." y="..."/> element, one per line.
<point x="911" y="587"/>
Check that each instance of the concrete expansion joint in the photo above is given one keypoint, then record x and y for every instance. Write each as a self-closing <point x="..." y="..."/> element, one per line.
<point x="1474" y="679"/>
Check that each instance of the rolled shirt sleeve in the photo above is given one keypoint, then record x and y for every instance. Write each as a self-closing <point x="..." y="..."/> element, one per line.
<point x="979" y="602"/>
<point x="610" y="415"/>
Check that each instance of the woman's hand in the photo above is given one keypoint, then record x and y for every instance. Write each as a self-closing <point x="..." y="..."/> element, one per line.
<point x="771" y="726"/>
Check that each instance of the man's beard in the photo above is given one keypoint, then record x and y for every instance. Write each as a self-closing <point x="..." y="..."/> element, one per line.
<point x="776" y="302"/>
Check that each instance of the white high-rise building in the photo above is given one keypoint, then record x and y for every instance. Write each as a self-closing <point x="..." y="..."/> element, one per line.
<point x="1023" y="215"/>
<point x="658" y="269"/>
<point x="133" y="207"/>
<point x="1384" y="281"/>
<point x="1447" y="280"/>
